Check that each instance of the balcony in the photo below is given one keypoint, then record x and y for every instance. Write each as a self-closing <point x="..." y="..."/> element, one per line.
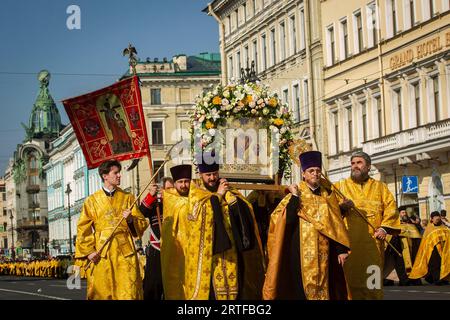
<point x="430" y="135"/>
<point x="33" y="188"/>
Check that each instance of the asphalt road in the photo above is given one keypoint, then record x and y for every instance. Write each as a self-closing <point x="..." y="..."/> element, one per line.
<point x="30" y="288"/>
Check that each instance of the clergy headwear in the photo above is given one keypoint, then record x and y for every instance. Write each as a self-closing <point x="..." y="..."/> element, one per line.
<point x="182" y="171"/>
<point x="435" y="214"/>
<point x="208" y="163"/>
<point x="310" y="159"/>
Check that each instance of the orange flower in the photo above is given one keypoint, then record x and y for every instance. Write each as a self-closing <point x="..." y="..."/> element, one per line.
<point x="278" y="122"/>
<point x="273" y="102"/>
<point x="248" y="98"/>
<point x="217" y="100"/>
<point x="209" y="125"/>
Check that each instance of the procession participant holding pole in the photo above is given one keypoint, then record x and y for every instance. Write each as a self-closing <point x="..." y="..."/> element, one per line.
<point x="370" y="213"/>
<point x="106" y="213"/>
<point x="224" y="257"/>
<point x="308" y="242"/>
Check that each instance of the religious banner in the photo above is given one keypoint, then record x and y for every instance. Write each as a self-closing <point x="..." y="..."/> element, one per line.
<point x="109" y="123"/>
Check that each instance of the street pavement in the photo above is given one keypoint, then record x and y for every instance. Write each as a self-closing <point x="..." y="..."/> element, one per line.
<point x="33" y="288"/>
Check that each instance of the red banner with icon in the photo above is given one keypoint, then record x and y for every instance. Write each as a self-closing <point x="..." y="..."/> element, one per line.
<point x="109" y="123"/>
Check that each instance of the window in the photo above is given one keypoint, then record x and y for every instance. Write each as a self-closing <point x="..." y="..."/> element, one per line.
<point x="394" y="17"/>
<point x="437" y="112"/>
<point x="156" y="165"/>
<point x="155" y="96"/>
<point x="364" y="120"/>
<point x="336" y="130"/>
<point x="331" y="45"/>
<point x="373" y="23"/>
<point x="282" y="41"/>
<point x="228" y="20"/>
<point x="273" y="46"/>
<point x="230" y="67"/>
<point x="264" y="53"/>
<point x="350" y="128"/>
<point x="297" y="102"/>
<point x="236" y="18"/>
<point x="398" y="102"/>
<point x="302" y="29"/>
<point x="417" y="102"/>
<point x="293" y="35"/>
<point x="238" y="58"/>
<point x="431" y="4"/>
<point x="246" y="57"/>
<point x="379" y="115"/>
<point x="254" y="7"/>
<point x="345" y="38"/>
<point x="5" y="212"/>
<point x="157" y="132"/>
<point x="305" y="99"/>
<point x="244" y="7"/>
<point x="285" y="95"/>
<point x="411" y="13"/>
<point x="255" y="54"/>
<point x="4" y="196"/>
<point x="359" y="31"/>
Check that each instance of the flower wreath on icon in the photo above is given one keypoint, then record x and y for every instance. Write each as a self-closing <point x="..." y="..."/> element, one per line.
<point x="250" y="101"/>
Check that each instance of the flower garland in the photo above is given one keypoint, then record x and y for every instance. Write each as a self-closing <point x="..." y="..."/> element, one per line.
<point x="250" y="100"/>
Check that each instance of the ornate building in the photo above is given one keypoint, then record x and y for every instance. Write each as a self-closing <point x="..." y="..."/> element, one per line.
<point x="283" y="39"/>
<point x="26" y="186"/>
<point x="387" y="91"/>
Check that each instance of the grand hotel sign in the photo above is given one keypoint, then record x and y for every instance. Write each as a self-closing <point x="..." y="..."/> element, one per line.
<point x="420" y="51"/>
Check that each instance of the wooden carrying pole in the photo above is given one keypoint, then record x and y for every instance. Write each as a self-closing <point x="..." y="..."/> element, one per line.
<point x="134" y="203"/>
<point x="338" y="192"/>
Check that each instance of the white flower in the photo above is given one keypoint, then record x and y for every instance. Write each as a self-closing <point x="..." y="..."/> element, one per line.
<point x="212" y="132"/>
<point x="253" y="111"/>
<point x="202" y="112"/>
<point x="215" y="114"/>
<point x="260" y="101"/>
<point x="252" y="104"/>
<point x="226" y="94"/>
<point x="273" y="128"/>
<point x="206" y="99"/>
<point x="282" y="130"/>
<point x="238" y="95"/>
<point x="265" y="111"/>
<point x="225" y="102"/>
<point x="205" y="104"/>
<point x="266" y="100"/>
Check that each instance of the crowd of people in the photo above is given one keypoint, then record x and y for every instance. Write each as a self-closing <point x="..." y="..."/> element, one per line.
<point x="309" y="241"/>
<point x="56" y="267"/>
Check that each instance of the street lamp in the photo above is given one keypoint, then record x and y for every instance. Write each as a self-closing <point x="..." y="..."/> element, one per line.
<point x="12" y="235"/>
<point x="68" y="191"/>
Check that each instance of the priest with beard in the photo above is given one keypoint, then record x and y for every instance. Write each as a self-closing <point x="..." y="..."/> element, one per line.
<point x="308" y="242"/>
<point x="224" y="257"/>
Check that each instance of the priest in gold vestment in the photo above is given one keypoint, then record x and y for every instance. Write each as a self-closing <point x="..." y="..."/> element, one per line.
<point x="224" y="257"/>
<point x="433" y="258"/>
<point x="114" y="273"/>
<point x="308" y="243"/>
<point x="174" y="234"/>
<point x="364" y="268"/>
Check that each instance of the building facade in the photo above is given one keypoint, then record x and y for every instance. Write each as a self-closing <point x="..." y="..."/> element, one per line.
<point x="386" y="92"/>
<point x="69" y="183"/>
<point x="26" y="186"/>
<point x="4" y="222"/>
<point x="283" y="39"/>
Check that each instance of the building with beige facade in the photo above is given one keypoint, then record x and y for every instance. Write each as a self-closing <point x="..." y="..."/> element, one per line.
<point x="283" y="39"/>
<point x="4" y="222"/>
<point x="387" y="91"/>
<point x="168" y="90"/>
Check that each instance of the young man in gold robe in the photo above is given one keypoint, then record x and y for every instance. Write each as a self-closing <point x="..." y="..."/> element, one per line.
<point x="114" y="273"/>
<point x="308" y="242"/>
<point x="224" y="257"/>
<point x="364" y="268"/>
<point x="433" y="258"/>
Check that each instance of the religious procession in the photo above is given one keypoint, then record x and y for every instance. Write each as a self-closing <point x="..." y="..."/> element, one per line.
<point x="308" y="160"/>
<point x="309" y="240"/>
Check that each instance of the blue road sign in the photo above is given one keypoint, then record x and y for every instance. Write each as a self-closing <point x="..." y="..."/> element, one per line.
<point x="410" y="184"/>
